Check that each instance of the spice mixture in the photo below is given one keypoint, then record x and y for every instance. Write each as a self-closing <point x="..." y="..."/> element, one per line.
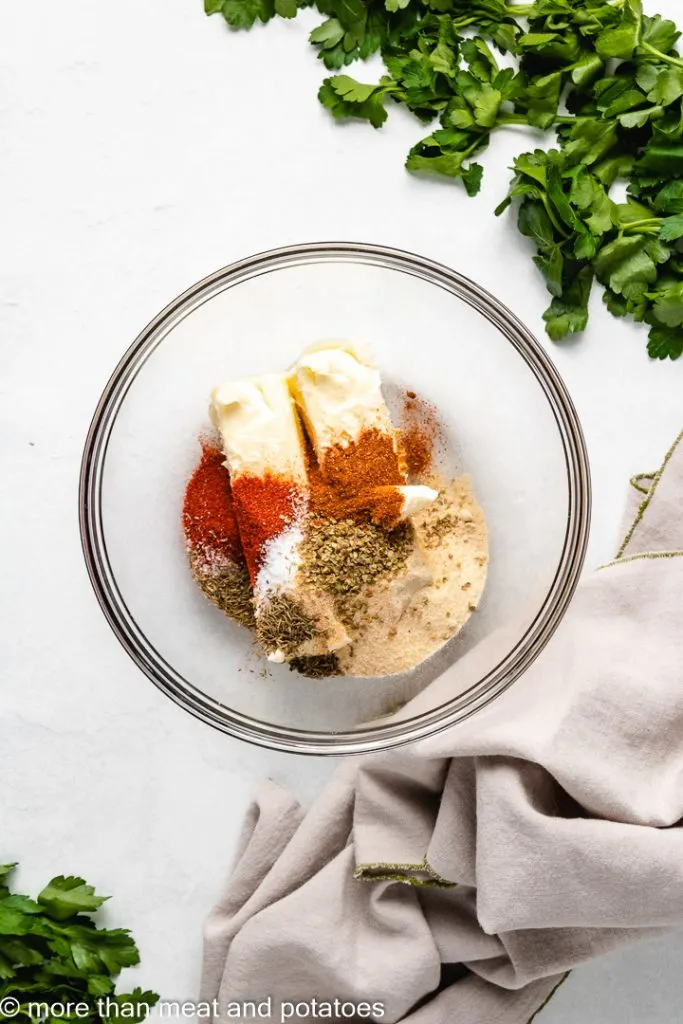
<point x="348" y="484"/>
<point x="227" y="585"/>
<point x="264" y="506"/>
<point x="326" y="570"/>
<point x="209" y="517"/>
<point x="213" y="541"/>
<point x="403" y="622"/>
<point x="345" y="558"/>
<point x="319" y="666"/>
<point x="421" y="438"/>
<point x="284" y="626"/>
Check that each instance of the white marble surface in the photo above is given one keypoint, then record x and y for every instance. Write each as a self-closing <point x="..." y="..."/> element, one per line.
<point x="142" y="147"/>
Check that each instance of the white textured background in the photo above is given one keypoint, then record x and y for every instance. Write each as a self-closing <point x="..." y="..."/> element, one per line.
<point x="143" y="146"/>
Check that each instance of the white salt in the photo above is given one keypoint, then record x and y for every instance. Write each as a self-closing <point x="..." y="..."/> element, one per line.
<point x="281" y="561"/>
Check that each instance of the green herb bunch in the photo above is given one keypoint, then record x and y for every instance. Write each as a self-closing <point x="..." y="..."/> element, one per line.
<point x="51" y="951"/>
<point x="604" y="76"/>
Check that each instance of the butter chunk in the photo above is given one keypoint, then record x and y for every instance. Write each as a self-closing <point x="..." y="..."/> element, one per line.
<point x="259" y="427"/>
<point x="338" y="391"/>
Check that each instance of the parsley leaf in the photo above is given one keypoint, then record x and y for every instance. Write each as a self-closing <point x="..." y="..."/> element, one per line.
<point x="665" y="343"/>
<point x="286" y="8"/>
<point x="345" y="97"/>
<point x="63" y="897"/>
<point x="660" y="162"/>
<point x="52" y="951"/>
<point x="328" y="34"/>
<point x="668" y="307"/>
<point x="672" y="228"/>
<point x="620" y="42"/>
<point x="243" y="13"/>
<point x="606" y="78"/>
<point x="626" y="265"/>
<point x="568" y="314"/>
<point x="669" y="199"/>
<point x="448" y="153"/>
<point x="660" y="33"/>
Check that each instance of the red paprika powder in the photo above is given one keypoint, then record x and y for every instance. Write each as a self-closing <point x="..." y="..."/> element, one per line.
<point x="208" y="517"/>
<point x="264" y="505"/>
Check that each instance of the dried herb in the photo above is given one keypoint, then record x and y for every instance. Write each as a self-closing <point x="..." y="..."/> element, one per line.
<point x="283" y="625"/>
<point x="316" y="666"/>
<point x="343" y="557"/>
<point x="435" y="529"/>
<point x="228" y="587"/>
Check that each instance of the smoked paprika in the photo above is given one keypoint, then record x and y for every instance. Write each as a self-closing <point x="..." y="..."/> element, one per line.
<point x="208" y="516"/>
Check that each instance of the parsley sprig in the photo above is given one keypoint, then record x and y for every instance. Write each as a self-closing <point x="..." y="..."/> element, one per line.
<point x="604" y="76"/>
<point x="52" y="952"/>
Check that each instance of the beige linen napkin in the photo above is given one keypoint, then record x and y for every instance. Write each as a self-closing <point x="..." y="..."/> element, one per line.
<point x="534" y="836"/>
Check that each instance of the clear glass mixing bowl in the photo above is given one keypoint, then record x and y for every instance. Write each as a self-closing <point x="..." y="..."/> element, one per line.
<point x="510" y="424"/>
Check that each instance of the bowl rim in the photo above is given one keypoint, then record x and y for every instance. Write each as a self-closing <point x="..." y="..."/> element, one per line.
<point x="377" y="736"/>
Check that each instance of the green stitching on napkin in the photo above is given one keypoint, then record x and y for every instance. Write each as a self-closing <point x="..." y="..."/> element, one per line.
<point x="549" y="997"/>
<point x="636" y="483"/>
<point x="407" y="874"/>
<point x="437" y="877"/>
<point x="636" y="558"/>
<point x="648" y="498"/>
<point x="421" y="875"/>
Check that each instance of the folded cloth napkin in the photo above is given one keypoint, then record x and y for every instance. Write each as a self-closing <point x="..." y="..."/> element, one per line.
<point x="541" y="832"/>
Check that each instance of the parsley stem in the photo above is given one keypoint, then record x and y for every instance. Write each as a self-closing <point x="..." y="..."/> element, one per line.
<point x="560" y="119"/>
<point x="551" y="215"/>
<point x="511" y="119"/>
<point x="662" y="56"/>
<point x="644" y="226"/>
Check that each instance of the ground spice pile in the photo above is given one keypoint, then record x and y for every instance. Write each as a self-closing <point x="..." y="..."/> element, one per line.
<point x="348" y="483"/>
<point x="416" y="447"/>
<point x="209" y="518"/>
<point x="265" y="506"/>
<point x="420" y="435"/>
<point x="213" y="540"/>
<point x="316" y="666"/>
<point x="284" y="626"/>
<point x="350" y="541"/>
<point x="229" y="588"/>
<point x="344" y="558"/>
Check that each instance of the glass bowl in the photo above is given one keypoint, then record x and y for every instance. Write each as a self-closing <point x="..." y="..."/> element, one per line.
<point x="509" y="423"/>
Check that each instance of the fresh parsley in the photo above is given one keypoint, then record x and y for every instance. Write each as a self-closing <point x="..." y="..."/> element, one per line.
<point x="52" y="952"/>
<point x="605" y="77"/>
